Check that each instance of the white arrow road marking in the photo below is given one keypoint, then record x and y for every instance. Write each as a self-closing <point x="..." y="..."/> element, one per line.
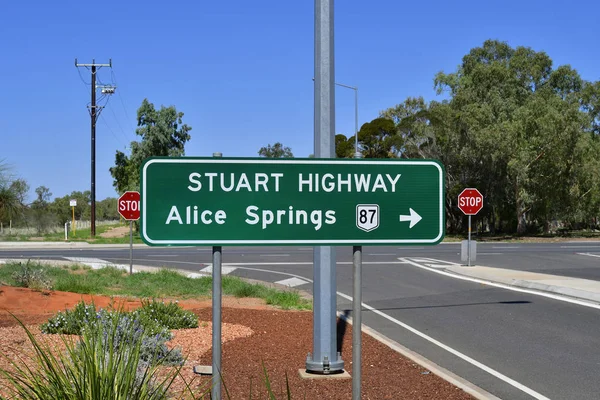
<point x="224" y="270"/>
<point x="413" y="218"/>
<point x="292" y="282"/>
<point x="96" y="263"/>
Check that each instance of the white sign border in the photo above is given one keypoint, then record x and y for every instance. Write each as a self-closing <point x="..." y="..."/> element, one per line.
<point x="146" y="238"/>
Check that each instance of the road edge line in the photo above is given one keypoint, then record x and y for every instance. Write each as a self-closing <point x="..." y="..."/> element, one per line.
<point x="448" y="376"/>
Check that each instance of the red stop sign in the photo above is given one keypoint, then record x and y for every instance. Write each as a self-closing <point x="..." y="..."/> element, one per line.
<point x="129" y="206"/>
<point x="470" y="201"/>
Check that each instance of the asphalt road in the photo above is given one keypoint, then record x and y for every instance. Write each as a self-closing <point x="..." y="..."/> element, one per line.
<point x="514" y="345"/>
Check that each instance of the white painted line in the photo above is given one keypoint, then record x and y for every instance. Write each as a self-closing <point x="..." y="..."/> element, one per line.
<point x="224" y="270"/>
<point x="87" y="260"/>
<point x="423" y="260"/>
<point x="579" y="247"/>
<point x="424" y="336"/>
<point x="507" y="287"/>
<point x="292" y="282"/>
<point x="449" y="349"/>
<point x="241" y="264"/>
<point x="589" y="255"/>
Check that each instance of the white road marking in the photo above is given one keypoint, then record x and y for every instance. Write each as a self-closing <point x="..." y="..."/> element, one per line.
<point x="579" y="247"/>
<point x="588" y="254"/>
<point x="449" y="349"/>
<point x="408" y="327"/>
<point x="224" y="270"/>
<point x="503" y="286"/>
<point x="431" y="340"/>
<point x="401" y="324"/>
<point x="437" y="265"/>
<point x="96" y="263"/>
<point x="292" y="282"/>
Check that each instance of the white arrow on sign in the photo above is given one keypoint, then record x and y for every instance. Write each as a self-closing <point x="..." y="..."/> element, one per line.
<point x="413" y="218"/>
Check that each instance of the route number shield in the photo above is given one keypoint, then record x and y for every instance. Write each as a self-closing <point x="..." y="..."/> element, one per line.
<point x="367" y="217"/>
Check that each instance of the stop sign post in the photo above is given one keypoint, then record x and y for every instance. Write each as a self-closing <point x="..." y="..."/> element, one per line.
<point x="470" y="202"/>
<point x="128" y="206"/>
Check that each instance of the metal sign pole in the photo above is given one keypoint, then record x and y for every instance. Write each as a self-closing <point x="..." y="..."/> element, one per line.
<point x="216" y="323"/>
<point x="469" y="245"/>
<point x="357" y="323"/>
<point x="325" y="358"/>
<point x="216" y="317"/>
<point x="130" y="247"/>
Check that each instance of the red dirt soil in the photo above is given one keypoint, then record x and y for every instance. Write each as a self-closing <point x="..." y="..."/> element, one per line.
<point x="280" y="339"/>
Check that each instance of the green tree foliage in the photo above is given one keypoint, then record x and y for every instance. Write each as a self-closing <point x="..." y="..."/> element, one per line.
<point x="344" y="147"/>
<point x="275" y="151"/>
<point x="378" y="139"/>
<point x="62" y="209"/>
<point x="40" y="216"/>
<point x="107" y="209"/>
<point x="13" y="193"/>
<point x="162" y="133"/>
<point x="525" y="134"/>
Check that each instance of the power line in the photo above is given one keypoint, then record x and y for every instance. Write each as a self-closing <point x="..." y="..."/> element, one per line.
<point x="118" y="123"/>
<point x="111" y="131"/>
<point x="114" y="80"/>
<point x="81" y="77"/>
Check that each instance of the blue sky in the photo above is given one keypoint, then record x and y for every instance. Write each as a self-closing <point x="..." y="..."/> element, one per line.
<point x="241" y="71"/>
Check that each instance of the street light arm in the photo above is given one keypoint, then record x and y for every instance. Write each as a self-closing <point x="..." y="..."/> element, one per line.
<point x="347" y="86"/>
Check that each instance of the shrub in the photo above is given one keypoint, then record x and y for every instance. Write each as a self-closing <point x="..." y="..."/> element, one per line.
<point x="169" y="315"/>
<point x="33" y="278"/>
<point x="151" y="324"/>
<point x="101" y="366"/>
<point x="70" y="322"/>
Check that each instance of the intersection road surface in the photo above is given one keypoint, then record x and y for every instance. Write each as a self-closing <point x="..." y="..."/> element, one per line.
<point x="514" y="345"/>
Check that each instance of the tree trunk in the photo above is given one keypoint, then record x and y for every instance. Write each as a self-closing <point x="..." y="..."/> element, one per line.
<point x="521" y="225"/>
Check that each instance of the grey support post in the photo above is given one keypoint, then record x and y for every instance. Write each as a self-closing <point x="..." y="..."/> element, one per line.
<point x="356" y="323"/>
<point x="216" y="318"/>
<point x="325" y="358"/>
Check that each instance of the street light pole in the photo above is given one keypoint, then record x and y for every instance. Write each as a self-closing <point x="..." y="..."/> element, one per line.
<point x="357" y="154"/>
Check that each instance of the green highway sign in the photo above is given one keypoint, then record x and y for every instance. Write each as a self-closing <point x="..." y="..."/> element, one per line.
<point x="263" y="201"/>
